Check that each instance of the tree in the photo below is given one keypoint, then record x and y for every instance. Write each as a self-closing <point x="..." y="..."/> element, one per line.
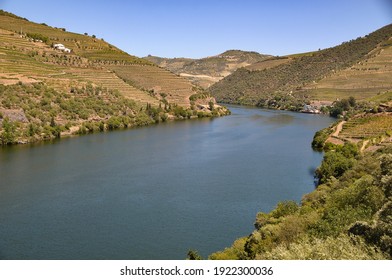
<point x="334" y="164"/>
<point x="352" y="101"/>
<point x="211" y="105"/>
<point x="9" y="134"/>
<point x="386" y="174"/>
<point x="52" y="122"/>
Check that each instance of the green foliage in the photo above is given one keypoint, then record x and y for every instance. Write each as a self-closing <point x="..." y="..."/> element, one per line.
<point x="342" y="106"/>
<point x="386" y="174"/>
<point x="348" y="217"/>
<point x="284" y="208"/>
<point x="235" y="252"/>
<point x="320" y="137"/>
<point x="336" y="162"/>
<point x="114" y="123"/>
<point x="90" y="108"/>
<point x="43" y="106"/>
<point x="142" y="119"/>
<point x="379" y="233"/>
<point x="180" y="112"/>
<point x="197" y="96"/>
<point x="9" y="132"/>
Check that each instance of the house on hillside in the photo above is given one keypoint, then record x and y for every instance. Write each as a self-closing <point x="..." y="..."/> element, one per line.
<point x="61" y="47"/>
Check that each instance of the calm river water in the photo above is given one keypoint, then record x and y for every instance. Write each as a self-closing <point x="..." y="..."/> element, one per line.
<point x="153" y="192"/>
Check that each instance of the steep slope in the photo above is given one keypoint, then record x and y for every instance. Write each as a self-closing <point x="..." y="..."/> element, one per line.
<point x="370" y="76"/>
<point x="207" y="71"/>
<point x="91" y="60"/>
<point x="284" y="85"/>
<point x="96" y="50"/>
<point x="54" y="83"/>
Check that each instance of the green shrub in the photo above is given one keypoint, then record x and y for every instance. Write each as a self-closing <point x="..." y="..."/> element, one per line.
<point x="334" y="164"/>
<point x="9" y="132"/>
<point x="284" y="208"/>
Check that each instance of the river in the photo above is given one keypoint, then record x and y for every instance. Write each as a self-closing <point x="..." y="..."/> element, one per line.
<point x="154" y="192"/>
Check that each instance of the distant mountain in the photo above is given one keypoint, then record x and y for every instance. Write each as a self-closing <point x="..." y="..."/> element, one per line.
<point x="359" y="68"/>
<point x="207" y="71"/>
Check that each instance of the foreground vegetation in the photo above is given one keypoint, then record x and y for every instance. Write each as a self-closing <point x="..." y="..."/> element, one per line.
<point x="348" y="215"/>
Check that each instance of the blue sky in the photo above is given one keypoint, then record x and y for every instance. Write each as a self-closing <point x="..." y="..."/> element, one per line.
<point x="200" y="28"/>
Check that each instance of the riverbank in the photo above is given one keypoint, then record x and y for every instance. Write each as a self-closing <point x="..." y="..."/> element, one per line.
<point x="36" y="112"/>
<point x="347" y="215"/>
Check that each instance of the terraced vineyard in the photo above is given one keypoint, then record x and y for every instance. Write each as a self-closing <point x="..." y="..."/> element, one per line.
<point x="368" y="77"/>
<point x="23" y="59"/>
<point x="367" y="126"/>
<point x="161" y="82"/>
<point x="47" y="93"/>
<point x="82" y="45"/>
<point x="16" y="58"/>
<point x="268" y="63"/>
<point x="110" y="81"/>
<point x="360" y="68"/>
<point x="27" y="61"/>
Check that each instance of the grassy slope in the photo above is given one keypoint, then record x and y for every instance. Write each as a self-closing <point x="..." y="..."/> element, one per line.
<point x="257" y="87"/>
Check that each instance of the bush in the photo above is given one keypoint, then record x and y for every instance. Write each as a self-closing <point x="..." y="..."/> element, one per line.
<point x="114" y="123"/>
<point x="334" y="165"/>
<point x="320" y="137"/>
<point x="235" y="252"/>
<point x="9" y="133"/>
<point x="284" y="208"/>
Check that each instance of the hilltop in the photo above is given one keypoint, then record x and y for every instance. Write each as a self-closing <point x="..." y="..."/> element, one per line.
<point x="55" y="83"/>
<point x="209" y="70"/>
<point x="359" y="68"/>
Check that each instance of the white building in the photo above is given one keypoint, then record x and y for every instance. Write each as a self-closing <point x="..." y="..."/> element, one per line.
<point x="59" y="47"/>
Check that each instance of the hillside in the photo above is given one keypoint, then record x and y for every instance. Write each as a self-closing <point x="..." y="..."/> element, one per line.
<point x="360" y="67"/>
<point x="42" y="68"/>
<point x="207" y="71"/>
<point x="368" y="77"/>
